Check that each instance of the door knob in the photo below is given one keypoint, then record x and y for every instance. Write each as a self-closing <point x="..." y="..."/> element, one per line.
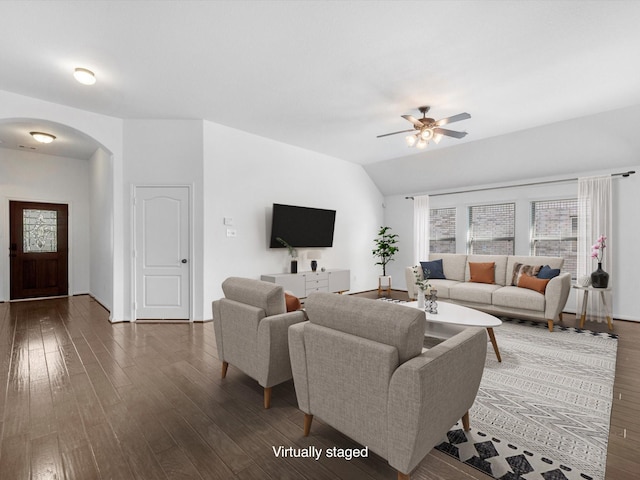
<point x="184" y="260"/>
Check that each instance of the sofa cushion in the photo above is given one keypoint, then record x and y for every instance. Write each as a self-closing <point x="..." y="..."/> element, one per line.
<point x="443" y="286"/>
<point x="548" y="272"/>
<point x="382" y="322"/>
<point x="520" y="298"/>
<point x="553" y="262"/>
<point x="473" y="292"/>
<point x="433" y="269"/>
<point x="520" y="268"/>
<point x="482" y="272"/>
<point x="533" y="283"/>
<point x="501" y="267"/>
<point x="453" y="264"/>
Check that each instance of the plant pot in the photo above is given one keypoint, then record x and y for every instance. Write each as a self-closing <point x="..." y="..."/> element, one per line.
<point x="599" y="278"/>
<point x="384" y="284"/>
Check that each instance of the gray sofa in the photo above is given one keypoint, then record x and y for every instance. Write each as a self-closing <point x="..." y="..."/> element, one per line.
<point x="358" y="365"/>
<point x="500" y="298"/>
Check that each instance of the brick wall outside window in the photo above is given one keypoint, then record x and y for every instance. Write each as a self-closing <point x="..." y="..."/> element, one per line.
<point x="554" y="231"/>
<point x="442" y="230"/>
<point x="492" y="229"/>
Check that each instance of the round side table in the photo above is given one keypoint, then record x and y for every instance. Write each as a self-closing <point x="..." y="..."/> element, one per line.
<point x="603" y="299"/>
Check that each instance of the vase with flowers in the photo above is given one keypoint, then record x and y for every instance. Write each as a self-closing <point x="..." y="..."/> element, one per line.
<point x="599" y="278"/>
<point x="422" y="282"/>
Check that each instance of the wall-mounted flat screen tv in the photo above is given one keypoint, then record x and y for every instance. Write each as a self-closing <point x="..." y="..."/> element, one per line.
<point x="302" y="226"/>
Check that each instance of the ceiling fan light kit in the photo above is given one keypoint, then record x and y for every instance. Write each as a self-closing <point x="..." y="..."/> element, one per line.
<point x="426" y="129"/>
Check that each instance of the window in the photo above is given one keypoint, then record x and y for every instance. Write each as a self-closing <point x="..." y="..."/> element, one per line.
<point x="40" y="232"/>
<point x="554" y="231"/>
<point x="442" y="230"/>
<point x="492" y="229"/>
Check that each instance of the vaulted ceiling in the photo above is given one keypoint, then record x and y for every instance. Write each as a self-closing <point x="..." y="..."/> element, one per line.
<point x="329" y="76"/>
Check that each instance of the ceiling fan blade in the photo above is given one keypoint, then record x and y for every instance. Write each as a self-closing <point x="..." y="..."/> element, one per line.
<point x="449" y="133"/>
<point x="454" y="118"/>
<point x="395" y="133"/>
<point x="413" y="120"/>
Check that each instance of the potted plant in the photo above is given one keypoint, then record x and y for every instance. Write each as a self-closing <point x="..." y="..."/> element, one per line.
<point x="384" y="251"/>
<point x="293" y="253"/>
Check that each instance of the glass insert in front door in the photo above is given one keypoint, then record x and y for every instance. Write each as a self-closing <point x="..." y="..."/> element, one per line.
<point x="40" y="231"/>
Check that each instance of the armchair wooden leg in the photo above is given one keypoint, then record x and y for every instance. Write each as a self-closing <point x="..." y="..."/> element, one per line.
<point x="307" y="424"/>
<point x="550" y="325"/>
<point x="403" y="476"/>
<point x="465" y="422"/>
<point x="225" y="365"/>
<point x="267" y="397"/>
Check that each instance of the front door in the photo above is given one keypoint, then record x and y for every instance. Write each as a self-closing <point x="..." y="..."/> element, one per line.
<point x="162" y="253"/>
<point x="38" y="249"/>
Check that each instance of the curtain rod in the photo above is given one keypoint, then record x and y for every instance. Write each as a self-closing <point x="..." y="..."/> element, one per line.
<point x="621" y="174"/>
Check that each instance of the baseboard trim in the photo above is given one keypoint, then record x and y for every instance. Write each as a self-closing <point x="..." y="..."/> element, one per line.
<point x="99" y="303"/>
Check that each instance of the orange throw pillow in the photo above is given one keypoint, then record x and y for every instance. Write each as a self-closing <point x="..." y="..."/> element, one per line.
<point x="482" y="272"/>
<point x="293" y="303"/>
<point x="533" y="283"/>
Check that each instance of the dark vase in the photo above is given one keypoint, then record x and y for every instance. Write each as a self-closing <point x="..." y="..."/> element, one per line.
<point x="599" y="278"/>
<point x="314" y="265"/>
<point x="294" y="266"/>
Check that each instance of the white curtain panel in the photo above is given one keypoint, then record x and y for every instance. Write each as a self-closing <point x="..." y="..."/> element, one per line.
<point x="420" y="229"/>
<point x="594" y="219"/>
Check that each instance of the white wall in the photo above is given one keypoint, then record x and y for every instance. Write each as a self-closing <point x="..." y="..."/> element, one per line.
<point x="603" y="140"/>
<point x="101" y="227"/>
<point x="37" y="177"/>
<point x="399" y="215"/>
<point x="245" y="174"/>
<point x="238" y="175"/>
<point x="105" y="130"/>
<point x="564" y="149"/>
<point x="164" y="152"/>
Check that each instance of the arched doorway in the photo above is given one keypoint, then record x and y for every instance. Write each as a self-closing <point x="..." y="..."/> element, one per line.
<point x="74" y="170"/>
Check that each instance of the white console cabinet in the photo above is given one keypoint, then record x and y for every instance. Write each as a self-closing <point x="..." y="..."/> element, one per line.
<point x="303" y="283"/>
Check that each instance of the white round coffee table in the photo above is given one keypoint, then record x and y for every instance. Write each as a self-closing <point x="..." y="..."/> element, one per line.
<point x="452" y="318"/>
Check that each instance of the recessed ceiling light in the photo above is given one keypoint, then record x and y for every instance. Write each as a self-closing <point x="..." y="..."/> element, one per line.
<point x="84" y="76"/>
<point x="43" y="137"/>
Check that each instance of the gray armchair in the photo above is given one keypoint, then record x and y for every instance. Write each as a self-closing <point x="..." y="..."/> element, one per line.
<point x="358" y="365"/>
<point x="251" y="326"/>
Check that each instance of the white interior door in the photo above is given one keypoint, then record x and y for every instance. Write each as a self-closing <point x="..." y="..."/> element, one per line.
<point x="162" y="253"/>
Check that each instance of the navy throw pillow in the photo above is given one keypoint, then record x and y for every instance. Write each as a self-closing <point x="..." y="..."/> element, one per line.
<point x="433" y="269"/>
<point x="548" y="272"/>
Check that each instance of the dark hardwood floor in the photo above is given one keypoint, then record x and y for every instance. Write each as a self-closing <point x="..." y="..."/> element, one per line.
<point x="86" y="399"/>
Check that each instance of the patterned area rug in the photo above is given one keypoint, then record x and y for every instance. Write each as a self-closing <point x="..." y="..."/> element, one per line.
<point x="543" y="413"/>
